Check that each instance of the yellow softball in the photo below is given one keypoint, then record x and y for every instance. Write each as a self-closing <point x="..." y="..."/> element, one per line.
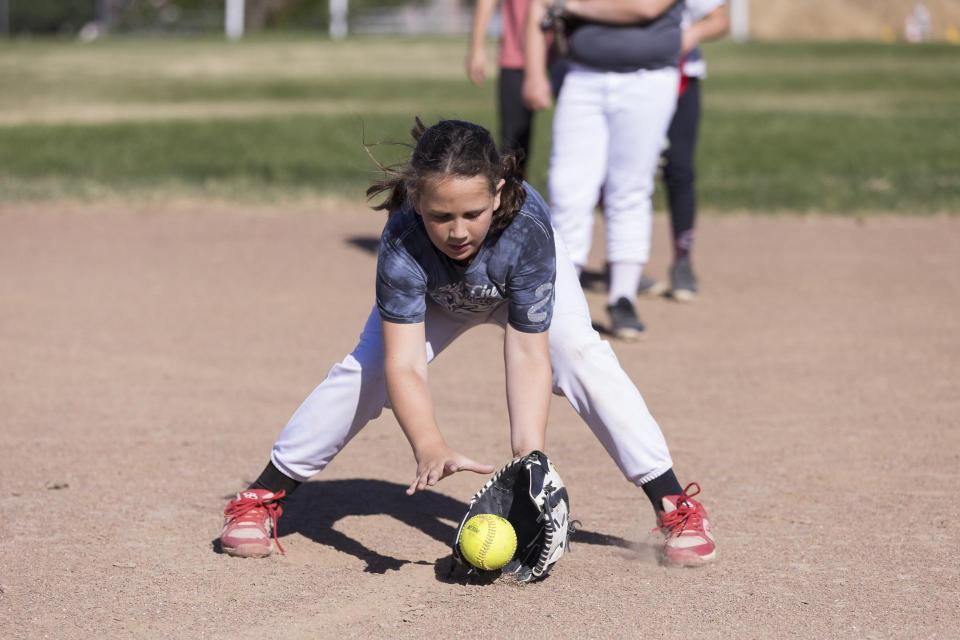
<point x="488" y="541"/>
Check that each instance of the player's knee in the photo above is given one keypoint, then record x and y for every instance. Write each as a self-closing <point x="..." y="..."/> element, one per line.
<point x="365" y="372"/>
<point x="572" y="352"/>
<point x="366" y="361"/>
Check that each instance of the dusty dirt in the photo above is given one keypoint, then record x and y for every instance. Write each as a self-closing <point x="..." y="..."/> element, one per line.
<point x="857" y="19"/>
<point x="149" y="357"/>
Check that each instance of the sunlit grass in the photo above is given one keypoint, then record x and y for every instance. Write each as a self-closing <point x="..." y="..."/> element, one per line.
<point x="800" y="127"/>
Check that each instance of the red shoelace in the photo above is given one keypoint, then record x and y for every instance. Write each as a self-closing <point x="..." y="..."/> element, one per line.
<point x="685" y="516"/>
<point x="246" y="508"/>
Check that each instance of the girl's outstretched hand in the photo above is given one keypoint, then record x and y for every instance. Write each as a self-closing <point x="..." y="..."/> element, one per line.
<point x="440" y="461"/>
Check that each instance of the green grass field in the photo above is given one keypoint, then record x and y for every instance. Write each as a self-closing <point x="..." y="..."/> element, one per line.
<point x="839" y="128"/>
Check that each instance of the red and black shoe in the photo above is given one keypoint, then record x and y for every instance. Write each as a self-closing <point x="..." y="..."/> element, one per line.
<point x="250" y="525"/>
<point x="683" y="521"/>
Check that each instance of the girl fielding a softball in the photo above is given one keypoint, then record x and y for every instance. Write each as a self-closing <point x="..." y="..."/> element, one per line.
<point x="467" y="242"/>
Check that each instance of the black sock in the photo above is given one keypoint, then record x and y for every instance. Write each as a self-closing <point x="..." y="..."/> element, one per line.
<point x="663" y="485"/>
<point x="272" y="479"/>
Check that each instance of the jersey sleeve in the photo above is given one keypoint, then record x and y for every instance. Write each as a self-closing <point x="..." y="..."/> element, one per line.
<point x="696" y="10"/>
<point x="401" y="285"/>
<point x="531" y="284"/>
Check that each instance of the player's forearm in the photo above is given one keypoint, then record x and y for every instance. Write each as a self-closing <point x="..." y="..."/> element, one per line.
<point x="482" y="13"/>
<point x="412" y="405"/>
<point x="534" y="44"/>
<point x="714" y="25"/>
<point x="529" y="385"/>
<point x="617" y="11"/>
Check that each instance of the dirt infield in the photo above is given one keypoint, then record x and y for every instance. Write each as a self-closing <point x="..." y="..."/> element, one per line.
<point x="150" y="357"/>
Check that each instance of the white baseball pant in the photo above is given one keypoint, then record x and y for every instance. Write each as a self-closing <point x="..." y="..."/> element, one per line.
<point x="608" y="131"/>
<point x="585" y="370"/>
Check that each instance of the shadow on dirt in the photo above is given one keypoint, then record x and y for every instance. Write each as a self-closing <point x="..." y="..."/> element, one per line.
<point x="369" y="244"/>
<point x="316" y="507"/>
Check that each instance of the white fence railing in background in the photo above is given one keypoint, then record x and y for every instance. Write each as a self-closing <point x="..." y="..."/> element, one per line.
<point x="434" y="17"/>
<point x="740" y="20"/>
<point x="412" y="20"/>
<point x="338" y="19"/>
<point x="234" y="19"/>
<point x="886" y="20"/>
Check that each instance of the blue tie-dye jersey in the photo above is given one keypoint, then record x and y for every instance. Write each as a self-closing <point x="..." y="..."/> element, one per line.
<point x="517" y="266"/>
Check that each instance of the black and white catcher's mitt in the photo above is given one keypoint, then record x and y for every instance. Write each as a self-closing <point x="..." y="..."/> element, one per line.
<point x="529" y="493"/>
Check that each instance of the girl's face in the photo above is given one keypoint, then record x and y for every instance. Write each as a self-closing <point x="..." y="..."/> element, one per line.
<point x="457" y="212"/>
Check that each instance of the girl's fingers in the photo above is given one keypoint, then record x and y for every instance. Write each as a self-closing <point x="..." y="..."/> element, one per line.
<point x="419" y="483"/>
<point x="476" y="467"/>
<point x="433" y="474"/>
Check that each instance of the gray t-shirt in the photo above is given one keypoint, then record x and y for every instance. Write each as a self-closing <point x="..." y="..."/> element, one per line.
<point x="610" y="47"/>
<point x="517" y="267"/>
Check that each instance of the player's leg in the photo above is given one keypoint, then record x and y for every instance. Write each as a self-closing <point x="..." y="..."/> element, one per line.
<point x="353" y="393"/>
<point x="516" y="120"/>
<point x="638" y="121"/>
<point x="586" y="371"/>
<point x="578" y="159"/>
<point x="678" y="177"/>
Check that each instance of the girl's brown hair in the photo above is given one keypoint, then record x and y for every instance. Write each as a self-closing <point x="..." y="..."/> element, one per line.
<point x="453" y="148"/>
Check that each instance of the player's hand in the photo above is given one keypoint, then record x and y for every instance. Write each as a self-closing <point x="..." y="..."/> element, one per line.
<point x="537" y="94"/>
<point x="439" y="461"/>
<point x="477" y="67"/>
<point x="689" y="41"/>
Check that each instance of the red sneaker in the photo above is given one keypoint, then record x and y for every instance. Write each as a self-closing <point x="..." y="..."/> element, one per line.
<point x="251" y="520"/>
<point x="684" y="522"/>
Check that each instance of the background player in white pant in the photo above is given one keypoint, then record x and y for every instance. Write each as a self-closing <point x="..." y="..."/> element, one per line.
<point x="611" y="118"/>
<point x="467" y="243"/>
